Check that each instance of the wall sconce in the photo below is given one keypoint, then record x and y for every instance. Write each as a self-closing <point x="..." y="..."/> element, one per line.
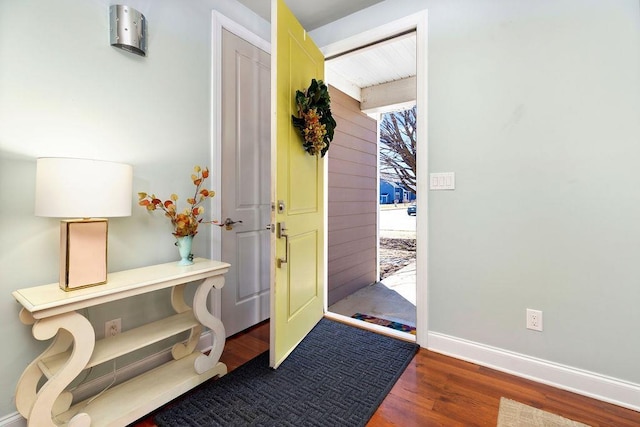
<point x="82" y="189"/>
<point x="128" y="29"/>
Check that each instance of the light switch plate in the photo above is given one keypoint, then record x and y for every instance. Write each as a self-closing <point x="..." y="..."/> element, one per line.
<point x="442" y="181"/>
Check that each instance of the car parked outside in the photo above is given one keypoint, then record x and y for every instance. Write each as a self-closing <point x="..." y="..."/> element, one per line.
<point x="411" y="210"/>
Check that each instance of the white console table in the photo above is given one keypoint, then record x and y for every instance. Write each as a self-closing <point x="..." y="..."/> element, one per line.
<point x="52" y="312"/>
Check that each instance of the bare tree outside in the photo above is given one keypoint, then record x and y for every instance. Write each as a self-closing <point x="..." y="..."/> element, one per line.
<point x="398" y="148"/>
<point x="398" y="137"/>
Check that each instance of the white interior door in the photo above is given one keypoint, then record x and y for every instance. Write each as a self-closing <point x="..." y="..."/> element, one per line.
<point x="245" y="186"/>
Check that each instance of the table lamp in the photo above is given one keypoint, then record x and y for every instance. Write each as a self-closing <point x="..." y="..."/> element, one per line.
<point x="87" y="192"/>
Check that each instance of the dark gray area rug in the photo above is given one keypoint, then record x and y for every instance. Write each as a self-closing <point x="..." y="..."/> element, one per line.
<point x="337" y="376"/>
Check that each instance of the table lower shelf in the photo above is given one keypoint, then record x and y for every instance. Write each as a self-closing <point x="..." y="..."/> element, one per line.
<point x="109" y="348"/>
<point x="141" y="395"/>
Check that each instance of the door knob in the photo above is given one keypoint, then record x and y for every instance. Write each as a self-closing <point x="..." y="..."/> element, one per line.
<point x="228" y="223"/>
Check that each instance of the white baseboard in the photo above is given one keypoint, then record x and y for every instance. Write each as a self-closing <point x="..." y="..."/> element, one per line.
<point x="13" y="420"/>
<point x="601" y="387"/>
<point x="123" y="374"/>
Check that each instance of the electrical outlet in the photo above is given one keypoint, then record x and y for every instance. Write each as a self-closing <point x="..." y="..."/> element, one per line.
<point x="534" y="319"/>
<point x="112" y="328"/>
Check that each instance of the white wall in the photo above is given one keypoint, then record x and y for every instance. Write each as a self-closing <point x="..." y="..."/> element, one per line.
<point x="64" y="91"/>
<point x="536" y="107"/>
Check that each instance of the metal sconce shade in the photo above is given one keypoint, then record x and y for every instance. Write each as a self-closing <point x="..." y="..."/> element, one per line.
<point x="128" y="29"/>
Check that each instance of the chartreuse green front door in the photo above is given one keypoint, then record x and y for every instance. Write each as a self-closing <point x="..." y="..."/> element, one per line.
<point x="297" y="299"/>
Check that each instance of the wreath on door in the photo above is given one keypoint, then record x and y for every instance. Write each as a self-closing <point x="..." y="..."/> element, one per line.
<point x="314" y="121"/>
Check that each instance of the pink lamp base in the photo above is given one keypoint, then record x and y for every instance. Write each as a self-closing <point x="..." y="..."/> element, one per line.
<point x="83" y="253"/>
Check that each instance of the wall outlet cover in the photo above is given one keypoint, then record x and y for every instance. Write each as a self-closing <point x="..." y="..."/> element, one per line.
<point x="534" y="319"/>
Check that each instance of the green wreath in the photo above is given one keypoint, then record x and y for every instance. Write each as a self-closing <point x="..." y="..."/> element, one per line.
<point x="314" y="121"/>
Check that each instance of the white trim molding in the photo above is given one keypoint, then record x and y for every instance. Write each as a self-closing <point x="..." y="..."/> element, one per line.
<point x="382" y="330"/>
<point x="600" y="387"/>
<point x="418" y="22"/>
<point x="393" y="28"/>
<point x="13" y="420"/>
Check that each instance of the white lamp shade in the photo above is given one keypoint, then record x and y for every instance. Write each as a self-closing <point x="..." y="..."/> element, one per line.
<point x="81" y="188"/>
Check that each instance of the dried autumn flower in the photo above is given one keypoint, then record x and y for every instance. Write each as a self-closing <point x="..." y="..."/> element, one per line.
<point x="186" y="222"/>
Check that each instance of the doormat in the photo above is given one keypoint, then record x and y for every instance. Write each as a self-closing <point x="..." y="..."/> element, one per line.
<point x="516" y="414"/>
<point x="384" y="322"/>
<point x="337" y="376"/>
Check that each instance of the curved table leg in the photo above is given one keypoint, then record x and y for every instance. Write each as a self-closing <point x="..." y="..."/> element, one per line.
<point x="67" y="328"/>
<point x="204" y="363"/>
<point x="180" y="350"/>
<point x="177" y="299"/>
<point x="27" y="388"/>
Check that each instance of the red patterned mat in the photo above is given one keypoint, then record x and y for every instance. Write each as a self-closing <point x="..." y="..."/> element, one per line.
<point x="384" y="322"/>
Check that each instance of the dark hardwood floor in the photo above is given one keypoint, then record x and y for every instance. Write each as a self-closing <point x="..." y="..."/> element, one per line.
<point x="437" y="390"/>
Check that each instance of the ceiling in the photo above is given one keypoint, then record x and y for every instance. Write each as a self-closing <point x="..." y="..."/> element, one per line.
<point x="312" y="14"/>
<point x="386" y="61"/>
<point x="381" y="76"/>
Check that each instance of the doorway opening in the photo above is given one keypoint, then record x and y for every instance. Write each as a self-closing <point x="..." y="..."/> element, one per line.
<point x="372" y="185"/>
<point x="398" y="210"/>
<point x="390" y="300"/>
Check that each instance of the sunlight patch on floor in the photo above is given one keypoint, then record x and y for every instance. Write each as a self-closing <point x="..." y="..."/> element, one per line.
<point x="393" y="299"/>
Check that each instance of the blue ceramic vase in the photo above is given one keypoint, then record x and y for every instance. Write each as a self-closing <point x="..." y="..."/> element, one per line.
<point x="184" y="247"/>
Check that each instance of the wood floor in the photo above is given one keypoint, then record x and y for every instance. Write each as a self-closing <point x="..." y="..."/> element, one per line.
<point x="437" y="390"/>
